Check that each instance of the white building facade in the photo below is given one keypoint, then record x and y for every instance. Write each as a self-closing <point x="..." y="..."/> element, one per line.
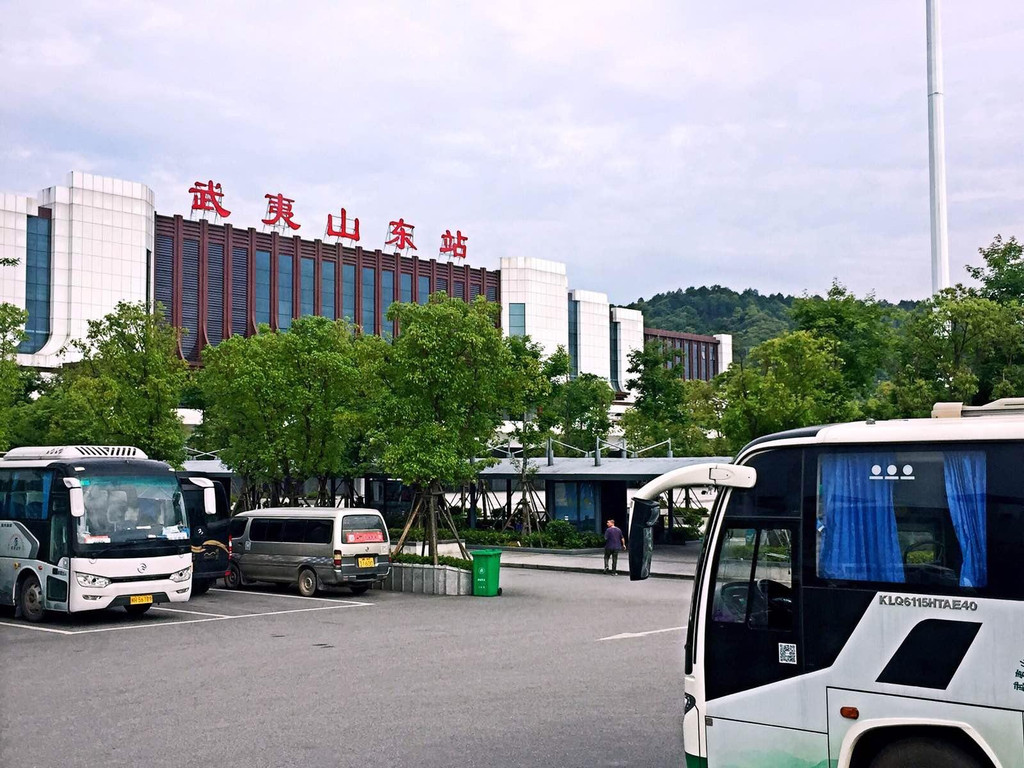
<point x="80" y="248"/>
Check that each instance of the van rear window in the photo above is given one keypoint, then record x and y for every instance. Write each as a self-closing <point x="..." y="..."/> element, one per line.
<point x="362" y="529"/>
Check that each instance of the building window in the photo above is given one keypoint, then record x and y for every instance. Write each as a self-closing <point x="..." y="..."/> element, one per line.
<point x="239" y="286"/>
<point x="460" y="290"/>
<point x="190" y="298"/>
<point x="613" y="346"/>
<point x="474" y="291"/>
<point x="406" y="288"/>
<point x="261" y="294"/>
<point x="574" y="339"/>
<point x="163" y="291"/>
<point x="516" y="319"/>
<point x="492" y="293"/>
<point x="577" y="504"/>
<point x="387" y="294"/>
<point x="348" y="292"/>
<point x="369" y="299"/>
<point x="442" y="285"/>
<point x="215" y="293"/>
<point x="424" y="289"/>
<point x="284" y="291"/>
<point x="327" y="273"/>
<point x="37" y="284"/>
<point x="307" y="287"/>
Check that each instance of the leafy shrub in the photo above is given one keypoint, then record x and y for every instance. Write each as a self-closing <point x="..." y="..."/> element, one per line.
<point x="454" y="562"/>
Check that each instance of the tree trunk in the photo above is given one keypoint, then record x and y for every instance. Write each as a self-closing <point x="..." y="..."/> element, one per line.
<point x="433" y="523"/>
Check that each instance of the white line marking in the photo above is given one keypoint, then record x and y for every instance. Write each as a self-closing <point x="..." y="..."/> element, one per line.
<point x="223" y="618"/>
<point x="282" y="594"/>
<point x="631" y="635"/>
<point x="37" y="629"/>
<point x="182" y="610"/>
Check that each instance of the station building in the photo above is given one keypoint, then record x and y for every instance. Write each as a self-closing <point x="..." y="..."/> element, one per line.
<point x="83" y="246"/>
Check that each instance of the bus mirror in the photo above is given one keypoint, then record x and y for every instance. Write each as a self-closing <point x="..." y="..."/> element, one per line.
<point x="74" y="486"/>
<point x="641" y="537"/>
<point x="209" y="494"/>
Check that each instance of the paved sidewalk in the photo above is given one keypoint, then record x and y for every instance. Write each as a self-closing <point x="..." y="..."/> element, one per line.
<point x="668" y="562"/>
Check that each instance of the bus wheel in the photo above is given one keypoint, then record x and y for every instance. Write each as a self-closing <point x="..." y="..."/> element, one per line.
<point x="136" y="610"/>
<point x="307" y="582"/>
<point x="30" y="600"/>
<point x="926" y="753"/>
<point x="233" y="579"/>
<point x="359" y="589"/>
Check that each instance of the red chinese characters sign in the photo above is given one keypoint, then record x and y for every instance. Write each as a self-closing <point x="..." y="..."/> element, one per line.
<point x="342" y="230"/>
<point x="206" y="197"/>
<point x="454" y="245"/>
<point x="401" y="235"/>
<point x="279" y="211"/>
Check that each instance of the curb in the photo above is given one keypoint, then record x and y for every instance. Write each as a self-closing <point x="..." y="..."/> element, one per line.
<point x="580" y="569"/>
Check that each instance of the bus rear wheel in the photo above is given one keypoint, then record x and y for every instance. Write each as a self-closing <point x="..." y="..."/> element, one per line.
<point x="923" y="753"/>
<point x="30" y="600"/>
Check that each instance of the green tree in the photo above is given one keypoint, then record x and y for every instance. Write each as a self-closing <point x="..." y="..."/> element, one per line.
<point x="578" y="410"/>
<point x="285" y="407"/>
<point x="443" y="394"/>
<point x="669" y="407"/>
<point x="125" y="388"/>
<point x="792" y="381"/>
<point x="12" y="377"/>
<point x="958" y="346"/>
<point x="1002" y="277"/>
<point x="862" y="331"/>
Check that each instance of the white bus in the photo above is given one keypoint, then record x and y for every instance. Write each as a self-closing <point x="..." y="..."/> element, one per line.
<point x="858" y="601"/>
<point x="90" y="527"/>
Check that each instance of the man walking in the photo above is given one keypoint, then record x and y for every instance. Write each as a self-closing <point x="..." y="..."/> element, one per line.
<point x="613" y="542"/>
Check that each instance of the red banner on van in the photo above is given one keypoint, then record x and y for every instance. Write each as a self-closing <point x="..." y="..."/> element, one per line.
<point x="364" y="537"/>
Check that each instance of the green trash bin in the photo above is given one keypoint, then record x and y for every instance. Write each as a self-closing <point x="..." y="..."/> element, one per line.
<point x="486" y="564"/>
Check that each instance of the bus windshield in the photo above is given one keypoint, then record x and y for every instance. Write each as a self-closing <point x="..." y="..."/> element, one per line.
<point x="131" y="508"/>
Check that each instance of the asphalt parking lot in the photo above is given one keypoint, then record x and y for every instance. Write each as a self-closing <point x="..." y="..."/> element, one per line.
<point x="562" y="669"/>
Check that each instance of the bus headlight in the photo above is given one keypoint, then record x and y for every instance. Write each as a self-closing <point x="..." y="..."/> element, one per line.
<point x="88" y="580"/>
<point x="183" y="575"/>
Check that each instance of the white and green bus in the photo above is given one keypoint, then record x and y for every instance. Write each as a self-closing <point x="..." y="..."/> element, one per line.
<point x="89" y="527"/>
<point x="859" y="601"/>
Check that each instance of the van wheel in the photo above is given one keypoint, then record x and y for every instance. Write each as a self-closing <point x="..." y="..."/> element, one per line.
<point x="137" y="610"/>
<point x="923" y="753"/>
<point x="201" y="586"/>
<point x="359" y="589"/>
<point x="308" y="582"/>
<point x="30" y="600"/>
<point x="233" y="578"/>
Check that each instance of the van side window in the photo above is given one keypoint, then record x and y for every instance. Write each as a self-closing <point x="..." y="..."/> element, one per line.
<point x="274" y="530"/>
<point x="258" y="529"/>
<point x="319" y="531"/>
<point x="294" y="531"/>
<point x="237" y="526"/>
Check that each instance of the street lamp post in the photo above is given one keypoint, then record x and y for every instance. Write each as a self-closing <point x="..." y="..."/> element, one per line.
<point x="937" y="150"/>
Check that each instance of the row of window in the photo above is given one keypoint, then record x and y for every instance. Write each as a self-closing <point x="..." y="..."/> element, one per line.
<point x="37" y="284"/>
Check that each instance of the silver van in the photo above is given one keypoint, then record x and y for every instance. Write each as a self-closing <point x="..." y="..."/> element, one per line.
<point x="309" y="547"/>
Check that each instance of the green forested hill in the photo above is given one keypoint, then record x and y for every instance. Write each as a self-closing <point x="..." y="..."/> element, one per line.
<point x="751" y="317"/>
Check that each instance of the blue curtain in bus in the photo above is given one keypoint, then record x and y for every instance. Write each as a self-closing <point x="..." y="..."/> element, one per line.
<point x="859" y="541"/>
<point x="965" y="492"/>
<point x="47" y="482"/>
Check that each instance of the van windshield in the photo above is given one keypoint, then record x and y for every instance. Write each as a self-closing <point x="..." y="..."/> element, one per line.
<point x="363" y="529"/>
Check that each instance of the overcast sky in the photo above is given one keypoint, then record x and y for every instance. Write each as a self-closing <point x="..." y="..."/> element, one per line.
<point x="649" y="145"/>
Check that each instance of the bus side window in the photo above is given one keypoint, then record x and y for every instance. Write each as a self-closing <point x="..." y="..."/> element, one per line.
<point x="779" y="489"/>
<point x="58" y="527"/>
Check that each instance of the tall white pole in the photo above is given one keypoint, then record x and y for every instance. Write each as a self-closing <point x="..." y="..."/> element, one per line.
<point x="937" y="150"/>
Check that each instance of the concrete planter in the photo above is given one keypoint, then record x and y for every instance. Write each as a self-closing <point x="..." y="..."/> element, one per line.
<point x="427" y="580"/>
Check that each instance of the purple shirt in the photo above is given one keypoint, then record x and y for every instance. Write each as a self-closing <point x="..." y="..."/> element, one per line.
<point x="612" y="538"/>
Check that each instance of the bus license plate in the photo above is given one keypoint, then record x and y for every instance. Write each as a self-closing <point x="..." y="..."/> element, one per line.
<point x="140" y="599"/>
<point x="366" y="562"/>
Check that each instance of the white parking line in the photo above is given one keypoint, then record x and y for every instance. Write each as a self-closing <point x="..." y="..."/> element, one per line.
<point x="182" y="610"/>
<point x="283" y="594"/>
<point x="37" y="629"/>
<point x="631" y="635"/>
<point x="213" y="617"/>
